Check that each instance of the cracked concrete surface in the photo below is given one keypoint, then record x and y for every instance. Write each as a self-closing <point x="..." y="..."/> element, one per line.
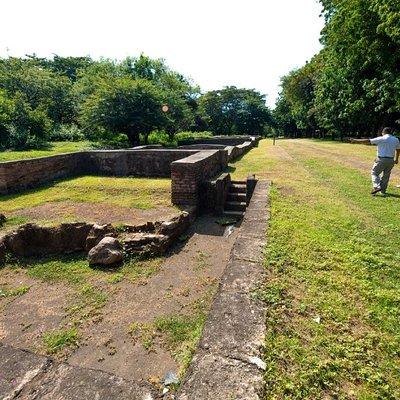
<point x="28" y="376"/>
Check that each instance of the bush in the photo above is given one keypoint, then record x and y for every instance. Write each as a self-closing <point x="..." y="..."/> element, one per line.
<point x="160" y="137"/>
<point x="193" y="135"/>
<point x="29" y="128"/>
<point x="113" y="141"/>
<point x="66" y="133"/>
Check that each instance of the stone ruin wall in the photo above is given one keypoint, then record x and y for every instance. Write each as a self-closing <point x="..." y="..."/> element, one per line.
<point x="188" y="167"/>
<point x="196" y="180"/>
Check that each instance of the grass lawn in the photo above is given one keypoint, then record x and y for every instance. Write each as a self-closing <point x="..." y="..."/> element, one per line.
<point x="52" y="149"/>
<point x="333" y="273"/>
<point x="88" y="198"/>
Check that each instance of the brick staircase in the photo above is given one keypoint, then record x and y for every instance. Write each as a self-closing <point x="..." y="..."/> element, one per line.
<point x="235" y="204"/>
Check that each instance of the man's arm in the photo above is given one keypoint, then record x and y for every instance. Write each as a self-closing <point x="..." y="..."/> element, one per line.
<point x="396" y="160"/>
<point x="361" y="141"/>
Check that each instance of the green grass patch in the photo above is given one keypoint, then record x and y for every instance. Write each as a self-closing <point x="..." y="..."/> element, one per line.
<point x="53" y="148"/>
<point x="140" y="193"/>
<point x="201" y="260"/>
<point x="88" y="301"/>
<point x="58" y="340"/>
<point x="143" y="332"/>
<point x="115" y="278"/>
<point x="15" y="292"/>
<point x="181" y="334"/>
<point x="71" y="269"/>
<point x="178" y="333"/>
<point x="138" y="270"/>
<point x="333" y="279"/>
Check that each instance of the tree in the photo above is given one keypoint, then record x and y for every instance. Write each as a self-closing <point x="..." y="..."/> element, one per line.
<point x="235" y="111"/>
<point x="297" y="98"/>
<point x="40" y="88"/>
<point x="123" y="105"/>
<point x="69" y="66"/>
<point x="354" y="87"/>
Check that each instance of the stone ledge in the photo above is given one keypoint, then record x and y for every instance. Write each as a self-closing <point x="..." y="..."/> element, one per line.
<point x="223" y="366"/>
<point x="221" y="378"/>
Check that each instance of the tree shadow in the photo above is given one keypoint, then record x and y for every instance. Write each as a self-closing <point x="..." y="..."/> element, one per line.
<point x="397" y="196"/>
<point x="229" y="169"/>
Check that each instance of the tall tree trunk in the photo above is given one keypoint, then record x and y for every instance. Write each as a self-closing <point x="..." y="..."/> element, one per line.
<point x="133" y="137"/>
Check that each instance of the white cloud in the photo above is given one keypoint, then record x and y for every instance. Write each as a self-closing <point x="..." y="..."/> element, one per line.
<point x="217" y="43"/>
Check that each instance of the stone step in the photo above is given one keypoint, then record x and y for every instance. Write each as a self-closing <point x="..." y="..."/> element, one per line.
<point x="238" y="182"/>
<point x="237" y="188"/>
<point x="237" y="197"/>
<point x="235" y="206"/>
<point x="233" y="214"/>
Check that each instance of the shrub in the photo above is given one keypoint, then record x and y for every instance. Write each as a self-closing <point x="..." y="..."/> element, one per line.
<point x="67" y="133"/>
<point x="161" y="137"/>
<point x="193" y="135"/>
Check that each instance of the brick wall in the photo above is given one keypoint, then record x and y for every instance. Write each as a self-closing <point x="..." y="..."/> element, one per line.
<point x="147" y="162"/>
<point x="222" y="140"/>
<point x="20" y="175"/>
<point x="187" y="174"/>
<point x="188" y="168"/>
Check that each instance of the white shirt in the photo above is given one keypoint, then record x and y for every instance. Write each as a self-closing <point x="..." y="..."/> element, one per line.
<point x="387" y="145"/>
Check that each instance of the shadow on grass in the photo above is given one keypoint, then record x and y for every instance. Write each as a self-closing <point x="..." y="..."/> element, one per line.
<point x="397" y="196"/>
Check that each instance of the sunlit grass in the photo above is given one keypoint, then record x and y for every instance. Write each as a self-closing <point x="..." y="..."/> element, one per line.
<point x="51" y="149"/>
<point x="58" y="340"/>
<point x="333" y="278"/>
<point x="140" y="193"/>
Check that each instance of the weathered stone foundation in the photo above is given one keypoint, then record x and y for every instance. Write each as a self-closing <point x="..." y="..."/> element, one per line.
<point x="188" y="167"/>
<point x="153" y="238"/>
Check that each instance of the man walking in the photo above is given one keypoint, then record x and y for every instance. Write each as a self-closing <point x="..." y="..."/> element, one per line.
<point x="388" y="153"/>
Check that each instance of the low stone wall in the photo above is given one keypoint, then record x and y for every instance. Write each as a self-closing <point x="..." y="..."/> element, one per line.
<point x="24" y="174"/>
<point x="235" y="152"/>
<point x="204" y="146"/>
<point x="146" y="162"/>
<point x="151" y="238"/>
<point x="188" y="173"/>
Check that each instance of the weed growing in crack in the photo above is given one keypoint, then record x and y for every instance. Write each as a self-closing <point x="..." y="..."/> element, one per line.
<point x="57" y="340"/>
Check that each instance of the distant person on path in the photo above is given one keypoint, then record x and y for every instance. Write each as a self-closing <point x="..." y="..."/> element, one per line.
<point x="388" y="153"/>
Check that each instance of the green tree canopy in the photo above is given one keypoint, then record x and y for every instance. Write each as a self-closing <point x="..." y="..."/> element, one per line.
<point x="355" y="85"/>
<point x="123" y="106"/>
<point x="235" y="111"/>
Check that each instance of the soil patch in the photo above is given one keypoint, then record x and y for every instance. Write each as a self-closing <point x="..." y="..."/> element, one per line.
<point x="184" y="282"/>
<point x="99" y="213"/>
<point x="38" y="308"/>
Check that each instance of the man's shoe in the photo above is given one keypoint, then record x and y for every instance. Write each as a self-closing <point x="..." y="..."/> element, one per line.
<point x="375" y="190"/>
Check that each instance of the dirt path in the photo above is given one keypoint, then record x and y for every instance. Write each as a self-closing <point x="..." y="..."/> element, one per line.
<point x="187" y="278"/>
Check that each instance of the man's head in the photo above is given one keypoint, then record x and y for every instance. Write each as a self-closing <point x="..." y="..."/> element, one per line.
<point x="387" y="131"/>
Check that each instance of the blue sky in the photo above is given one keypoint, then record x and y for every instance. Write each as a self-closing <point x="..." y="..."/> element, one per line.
<point x="214" y="42"/>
